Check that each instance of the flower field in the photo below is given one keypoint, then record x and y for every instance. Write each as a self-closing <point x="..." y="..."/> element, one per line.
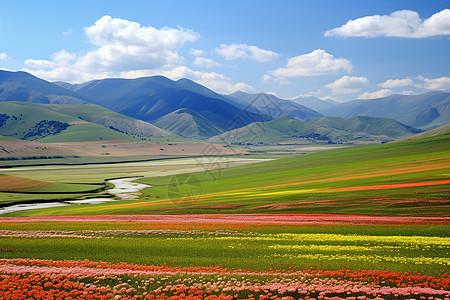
<point x="48" y="279"/>
<point x="144" y="260"/>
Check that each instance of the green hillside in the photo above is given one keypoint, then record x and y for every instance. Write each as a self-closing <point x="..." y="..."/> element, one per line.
<point x="326" y="129"/>
<point x="358" y="180"/>
<point x="433" y="132"/>
<point x="70" y="123"/>
<point x="374" y="126"/>
<point x="188" y="123"/>
<point x="425" y="111"/>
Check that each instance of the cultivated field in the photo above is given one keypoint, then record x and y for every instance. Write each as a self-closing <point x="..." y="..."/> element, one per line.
<point x="227" y="260"/>
<point x="354" y="223"/>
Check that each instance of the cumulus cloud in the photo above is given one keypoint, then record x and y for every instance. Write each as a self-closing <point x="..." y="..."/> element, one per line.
<point x="212" y="80"/>
<point x="318" y="62"/>
<point x="394" y="83"/>
<point x="441" y="83"/>
<point x="376" y="95"/>
<point x="4" y="56"/>
<point x="243" y="51"/>
<point x="197" y="52"/>
<point x="347" y="84"/>
<point x="125" y="45"/>
<point x="121" y="46"/>
<point x="205" y="62"/>
<point x="402" y="23"/>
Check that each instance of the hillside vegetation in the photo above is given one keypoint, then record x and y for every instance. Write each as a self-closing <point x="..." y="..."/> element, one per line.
<point x="71" y="123"/>
<point x="324" y="130"/>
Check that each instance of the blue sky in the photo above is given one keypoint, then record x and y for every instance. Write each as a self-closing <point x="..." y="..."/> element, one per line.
<point x="340" y="50"/>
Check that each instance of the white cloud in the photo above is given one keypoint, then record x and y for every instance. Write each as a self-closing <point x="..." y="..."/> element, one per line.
<point x="125" y="45"/>
<point x="308" y="94"/>
<point x="242" y="51"/>
<point x="402" y="23"/>
<point x="60" y="59"/>
<point x="394" y="83"/>
<point x="197" y="52"/>
<point x="376" y="95"/>
<point x="68" y="32"/>
<point x="4" y="56"/>
<point x="212" y="80"/>
<point x="121" y="46"/>
<point x="347" y="84"/>
<point x="205" y="62"/>
<point x="39" y="64"/>
<point x="318" y="62"/>
<point x="441" y="83"/>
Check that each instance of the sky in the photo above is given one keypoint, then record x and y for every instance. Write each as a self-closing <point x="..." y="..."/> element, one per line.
<point x="341" y="50"/>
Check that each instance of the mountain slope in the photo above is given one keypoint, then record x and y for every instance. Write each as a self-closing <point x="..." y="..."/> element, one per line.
<point x="424" y="111"/>
<point x="374" y="126"/>
<point x="22" y="86"/>
<point x="315" y="103"/>
<point x="63" y="123"/>
<point x="272" y="106"/>
<point x="442" y="130"/>
<point x="107" y="118"/>
<point x="326" y="129"/>
<point x="188" y="123"/>
<point x="151" y="98"/>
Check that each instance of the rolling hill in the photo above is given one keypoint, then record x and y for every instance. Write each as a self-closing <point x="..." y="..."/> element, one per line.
<point x="272" y="106"/>
<point x="392" y="179"/>
<point x="369" y="125"/>
<point x="323" y="130"/>
<point x="442" y="130"/>
<point x="424" y="111"/>
<point x="22" y="86"/>
<point x="71" y="123"/>
<point x="188" y="123"/>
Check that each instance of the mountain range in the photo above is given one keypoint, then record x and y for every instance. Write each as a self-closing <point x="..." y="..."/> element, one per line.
<point x="272" y="106"/>
<point x="157" y="107"/>
<point x="315" y="103"/>
<point x="425" y="111"/>
<point x="154" y="98"/>
<point x="331" y="130"/>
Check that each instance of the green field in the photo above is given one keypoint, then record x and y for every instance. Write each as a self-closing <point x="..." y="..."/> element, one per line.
<point x="303" y="184"/>
<point x="88" y="181"/>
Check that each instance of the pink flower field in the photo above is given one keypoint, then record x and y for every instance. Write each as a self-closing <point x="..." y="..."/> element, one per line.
<point x="48" y="279"/>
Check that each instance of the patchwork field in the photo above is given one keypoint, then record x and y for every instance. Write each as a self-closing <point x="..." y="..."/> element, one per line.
<point x="352" y="223"/>
<point x="235" y="260"/>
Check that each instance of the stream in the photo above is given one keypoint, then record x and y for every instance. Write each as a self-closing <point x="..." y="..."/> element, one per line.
<point x="124" y="189"/>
